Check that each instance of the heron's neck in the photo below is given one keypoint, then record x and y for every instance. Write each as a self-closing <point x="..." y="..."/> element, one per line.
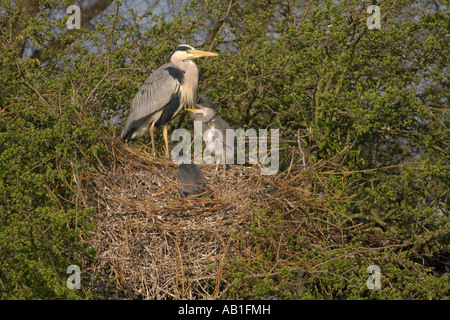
<point x="190" y="81"/>
<point x="209" y="114"/>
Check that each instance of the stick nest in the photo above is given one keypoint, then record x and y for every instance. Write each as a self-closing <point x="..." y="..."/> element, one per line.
<point x="151" y="244"/>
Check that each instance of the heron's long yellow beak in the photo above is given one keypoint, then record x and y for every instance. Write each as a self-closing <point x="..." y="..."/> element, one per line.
<point x="199" y="53"/>
<point x="192" y="110"/>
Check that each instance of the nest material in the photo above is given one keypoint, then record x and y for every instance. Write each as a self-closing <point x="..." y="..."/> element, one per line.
<point x="155" y="245"/>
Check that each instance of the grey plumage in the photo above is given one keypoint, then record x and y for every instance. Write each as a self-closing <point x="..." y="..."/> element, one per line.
<point x="191" y="181"/>
<point x="164" y="94"/>
<point x="159" y="95"/>
<point x="207" y="114"/>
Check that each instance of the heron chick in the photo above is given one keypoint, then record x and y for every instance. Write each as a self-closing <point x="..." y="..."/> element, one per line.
<point x="191" y="181"/>
<point x="162" y="96"/>
<point x="207" y="114"/>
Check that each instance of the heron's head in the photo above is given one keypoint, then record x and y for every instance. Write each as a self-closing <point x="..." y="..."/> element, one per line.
<point x="205" y="111"/>
<point x="186" y="52"/>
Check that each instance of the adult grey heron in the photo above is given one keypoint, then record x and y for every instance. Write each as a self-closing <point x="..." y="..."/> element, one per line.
<point x="207" y="114"/>
<point x="191" y="181"/>
<point x="165" y="92"/>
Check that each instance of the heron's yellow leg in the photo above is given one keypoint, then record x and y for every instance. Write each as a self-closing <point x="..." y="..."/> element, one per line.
<point x="166" y="141"/>
<point x="152" y="131"/>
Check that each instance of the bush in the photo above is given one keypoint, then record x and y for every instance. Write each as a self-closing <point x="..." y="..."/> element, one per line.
<point x="363" y="118"/>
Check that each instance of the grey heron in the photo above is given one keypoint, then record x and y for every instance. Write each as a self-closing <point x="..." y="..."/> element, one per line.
<point x="207" y="114"/>
<point x="162" y="96"/>
<point x="191" y="181"/>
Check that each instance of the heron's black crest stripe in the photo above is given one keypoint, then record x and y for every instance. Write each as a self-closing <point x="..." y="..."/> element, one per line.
<point x="183" y="48"/>
<point x="175" y="73"/>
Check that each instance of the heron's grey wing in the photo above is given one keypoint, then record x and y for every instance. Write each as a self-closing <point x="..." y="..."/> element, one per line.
<point x="219" y="124"/>
<point x="191" y="180"/>
<point x="160" y="92"/>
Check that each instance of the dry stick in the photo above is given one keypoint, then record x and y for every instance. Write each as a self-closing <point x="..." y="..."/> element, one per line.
<point x="201" y="235"/>
<point x="220" y="271"/>
<point x="78" y="182"/>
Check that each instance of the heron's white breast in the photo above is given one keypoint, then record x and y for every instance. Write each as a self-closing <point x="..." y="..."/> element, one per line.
<point x="190" y="83"/>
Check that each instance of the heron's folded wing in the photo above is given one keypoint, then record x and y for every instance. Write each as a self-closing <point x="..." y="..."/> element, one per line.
<point x="160" y="91"/>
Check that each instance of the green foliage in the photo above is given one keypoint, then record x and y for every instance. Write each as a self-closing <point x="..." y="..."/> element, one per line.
<point x="371" y="104"/>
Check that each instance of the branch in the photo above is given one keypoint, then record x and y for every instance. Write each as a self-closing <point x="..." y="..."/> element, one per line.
<point x="88" y="14"/>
